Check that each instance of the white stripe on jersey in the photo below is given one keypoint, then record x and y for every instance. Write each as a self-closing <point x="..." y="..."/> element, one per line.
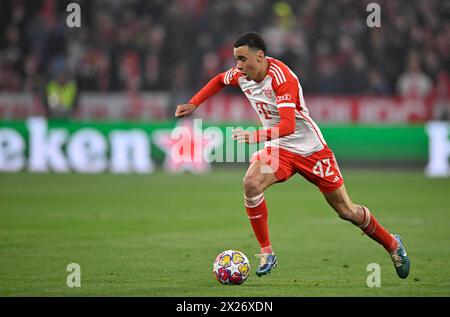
<point x="278" y="75"/>
<point x="283" y="78"/>
<point x="287" y="104"/>
<point x="306" y="114"/>
<point x="314" y="126"/>
<point x="226" y="77"/>
<point x="274" y="74"/>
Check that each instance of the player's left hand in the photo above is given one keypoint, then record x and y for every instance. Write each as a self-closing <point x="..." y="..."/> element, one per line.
<point x="243" y="136"/>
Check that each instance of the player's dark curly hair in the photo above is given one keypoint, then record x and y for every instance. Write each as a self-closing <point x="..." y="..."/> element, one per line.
<point x="252" y="40"/>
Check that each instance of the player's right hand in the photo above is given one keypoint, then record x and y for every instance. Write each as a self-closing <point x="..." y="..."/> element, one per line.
<point x="184" y="110"/>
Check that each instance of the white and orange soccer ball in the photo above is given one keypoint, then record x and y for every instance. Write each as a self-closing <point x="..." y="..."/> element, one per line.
<point x="231" y="267"/>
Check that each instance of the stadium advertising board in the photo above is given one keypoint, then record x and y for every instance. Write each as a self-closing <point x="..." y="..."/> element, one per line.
<point x="40" y="145"/>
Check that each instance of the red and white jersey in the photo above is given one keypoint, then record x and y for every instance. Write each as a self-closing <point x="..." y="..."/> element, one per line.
<point x="280" y="88"/>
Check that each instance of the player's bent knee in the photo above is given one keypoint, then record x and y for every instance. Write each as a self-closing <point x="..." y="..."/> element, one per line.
<point x="252" y="185"/>
<point x="254" y="181"/>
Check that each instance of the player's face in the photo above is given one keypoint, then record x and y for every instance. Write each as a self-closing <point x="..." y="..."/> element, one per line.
<point x="249" y="61"/>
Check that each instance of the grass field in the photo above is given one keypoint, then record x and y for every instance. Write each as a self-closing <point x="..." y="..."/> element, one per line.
<point x="157" y="235"/>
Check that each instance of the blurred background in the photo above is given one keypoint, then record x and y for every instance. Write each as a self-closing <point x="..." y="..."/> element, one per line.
<point x="135" y="60"/>
<point x="99" y="99"/>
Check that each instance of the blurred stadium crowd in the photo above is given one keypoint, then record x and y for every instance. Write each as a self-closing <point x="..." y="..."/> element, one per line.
<point x="177" y="45"/>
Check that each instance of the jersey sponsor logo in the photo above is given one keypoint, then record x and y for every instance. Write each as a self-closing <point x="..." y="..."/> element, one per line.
<point x="285" y="97"/>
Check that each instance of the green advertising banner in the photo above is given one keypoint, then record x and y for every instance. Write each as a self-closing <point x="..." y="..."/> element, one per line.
<point x="42" y="145"/>
<point x="408" y="143"/>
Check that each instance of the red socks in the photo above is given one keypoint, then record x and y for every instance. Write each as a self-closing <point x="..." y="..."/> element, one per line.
<point x="373" y="229"/>
<point x="257" y="213"/>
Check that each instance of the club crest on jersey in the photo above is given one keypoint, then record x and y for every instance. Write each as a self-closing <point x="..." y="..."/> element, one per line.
<point x="268" y="92"/>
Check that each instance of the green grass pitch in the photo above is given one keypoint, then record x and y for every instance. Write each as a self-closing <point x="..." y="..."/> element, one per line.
<point x="158" y="234"/>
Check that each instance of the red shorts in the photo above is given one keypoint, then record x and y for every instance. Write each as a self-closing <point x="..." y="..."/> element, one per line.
<point x="319" y="168"/>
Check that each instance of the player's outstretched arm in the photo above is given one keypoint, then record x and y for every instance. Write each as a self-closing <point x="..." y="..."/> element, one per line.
<point x="211" y="88"/>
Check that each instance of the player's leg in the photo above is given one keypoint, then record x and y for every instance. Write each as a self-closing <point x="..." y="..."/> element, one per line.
<point x="262" y="173"/>
<point x="342" y="204"/>
<point x="255" y="183"/>
<point x="361" y="216"/>
<point x="321" y="169"/>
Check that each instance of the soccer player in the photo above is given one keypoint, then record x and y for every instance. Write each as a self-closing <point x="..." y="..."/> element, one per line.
<point x="294" y="141"/>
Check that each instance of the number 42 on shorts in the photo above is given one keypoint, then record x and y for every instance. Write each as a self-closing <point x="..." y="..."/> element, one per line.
<point x="318" y="169"/>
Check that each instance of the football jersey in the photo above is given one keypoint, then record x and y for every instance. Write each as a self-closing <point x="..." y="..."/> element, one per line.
<point x="280" y="88"/>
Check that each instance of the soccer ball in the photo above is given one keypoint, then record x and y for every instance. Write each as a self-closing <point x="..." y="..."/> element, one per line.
<point x="231" y="267"/>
